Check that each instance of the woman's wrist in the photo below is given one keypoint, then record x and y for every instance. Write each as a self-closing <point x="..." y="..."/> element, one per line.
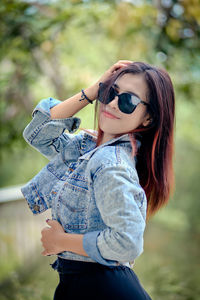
<point x="92" y="91"/>
<point x="72" y="242"/>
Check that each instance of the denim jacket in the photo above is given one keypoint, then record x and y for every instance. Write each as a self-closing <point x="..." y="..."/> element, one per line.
<point x="91" y="190"/>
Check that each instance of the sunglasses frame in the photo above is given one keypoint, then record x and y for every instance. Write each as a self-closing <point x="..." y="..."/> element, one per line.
<point x="112" y="89"/>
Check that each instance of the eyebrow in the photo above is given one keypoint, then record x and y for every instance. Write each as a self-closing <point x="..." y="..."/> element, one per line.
<point x="132" y="93"/>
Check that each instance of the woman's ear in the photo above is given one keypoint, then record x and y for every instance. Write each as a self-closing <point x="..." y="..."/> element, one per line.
<point x="147" y="121"/>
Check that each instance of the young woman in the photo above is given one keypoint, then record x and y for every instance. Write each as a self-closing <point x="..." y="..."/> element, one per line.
<point x="101" y="187"/>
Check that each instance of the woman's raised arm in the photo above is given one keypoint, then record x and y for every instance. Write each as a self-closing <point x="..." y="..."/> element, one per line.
<point x="72" y="105"/>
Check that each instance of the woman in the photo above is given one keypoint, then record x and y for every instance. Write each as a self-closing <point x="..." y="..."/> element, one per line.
<point x="102" y="188"/>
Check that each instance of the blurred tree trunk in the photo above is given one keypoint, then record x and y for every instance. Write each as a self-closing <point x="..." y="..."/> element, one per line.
<point x="51" y="69"/>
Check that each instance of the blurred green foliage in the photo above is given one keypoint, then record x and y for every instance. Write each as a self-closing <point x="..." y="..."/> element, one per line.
<point x="55" y="48"/>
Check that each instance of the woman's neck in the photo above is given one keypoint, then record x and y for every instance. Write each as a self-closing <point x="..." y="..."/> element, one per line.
<point x="107" y="137"/>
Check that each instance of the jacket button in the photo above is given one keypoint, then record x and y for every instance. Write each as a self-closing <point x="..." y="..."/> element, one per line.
<point x="36" y="207"/>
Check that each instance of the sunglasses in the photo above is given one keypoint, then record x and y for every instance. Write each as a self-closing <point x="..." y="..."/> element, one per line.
<point x="127" y="102"/>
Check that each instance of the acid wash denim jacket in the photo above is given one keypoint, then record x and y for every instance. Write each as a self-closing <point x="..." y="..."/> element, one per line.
<point x="91" y="190"/>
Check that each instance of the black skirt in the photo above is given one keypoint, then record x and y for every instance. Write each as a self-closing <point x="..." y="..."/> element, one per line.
<point x="87" y="280"/>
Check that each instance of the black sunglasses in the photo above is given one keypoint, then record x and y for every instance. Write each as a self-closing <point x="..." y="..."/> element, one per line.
<point x="127" y="102"/>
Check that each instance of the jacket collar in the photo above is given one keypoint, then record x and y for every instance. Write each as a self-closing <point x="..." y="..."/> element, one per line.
<point x="88" y="144"/>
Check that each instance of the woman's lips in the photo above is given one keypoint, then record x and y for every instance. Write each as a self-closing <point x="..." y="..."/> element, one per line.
<point x="109" y="115"/>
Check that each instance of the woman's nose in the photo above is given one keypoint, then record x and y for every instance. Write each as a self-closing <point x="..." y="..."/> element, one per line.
<point x="114" y="103"/>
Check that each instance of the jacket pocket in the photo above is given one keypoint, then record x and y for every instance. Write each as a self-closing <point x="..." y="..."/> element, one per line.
<point x="73" y="204"/>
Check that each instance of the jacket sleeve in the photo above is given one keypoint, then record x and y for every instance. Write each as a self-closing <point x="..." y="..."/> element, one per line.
<point x="47" y="135"/>
<point x="122" y="204"/>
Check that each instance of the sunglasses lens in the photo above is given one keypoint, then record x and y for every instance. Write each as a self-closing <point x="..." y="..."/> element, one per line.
<point x="111" y="95"/>
<point x="125" y="103"/>
<point x="101" y="94"/>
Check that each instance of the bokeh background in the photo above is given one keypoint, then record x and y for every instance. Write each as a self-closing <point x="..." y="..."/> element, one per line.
<point x="55" y="48"/>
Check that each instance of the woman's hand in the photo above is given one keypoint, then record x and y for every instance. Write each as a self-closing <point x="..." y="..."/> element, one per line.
<point x="92" y="91"/>
<point x="120" y="64"/>
<point x="55" y="240"/>
<point x="52" y="238"/>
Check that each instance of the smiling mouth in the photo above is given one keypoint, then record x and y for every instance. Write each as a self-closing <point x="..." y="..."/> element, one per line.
<point x="109" y="115"/>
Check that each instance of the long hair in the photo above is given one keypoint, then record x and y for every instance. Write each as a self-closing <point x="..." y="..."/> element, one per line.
<point x="155" y="155"/>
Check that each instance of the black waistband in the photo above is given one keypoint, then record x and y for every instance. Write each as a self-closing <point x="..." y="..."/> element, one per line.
<point x="65" y="266"/>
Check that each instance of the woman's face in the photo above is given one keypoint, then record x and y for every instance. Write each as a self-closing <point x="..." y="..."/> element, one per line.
<point x="114" y="122"/>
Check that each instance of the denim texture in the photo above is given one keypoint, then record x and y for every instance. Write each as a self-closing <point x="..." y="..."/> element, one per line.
<point x="91" y="190"/>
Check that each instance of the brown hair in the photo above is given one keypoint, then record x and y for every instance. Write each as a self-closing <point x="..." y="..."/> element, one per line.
<point x="155" y="155"/>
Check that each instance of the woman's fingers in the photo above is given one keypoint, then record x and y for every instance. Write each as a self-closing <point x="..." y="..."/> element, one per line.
<point x="120" y="64"/>
<point x="125" y="61"/>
